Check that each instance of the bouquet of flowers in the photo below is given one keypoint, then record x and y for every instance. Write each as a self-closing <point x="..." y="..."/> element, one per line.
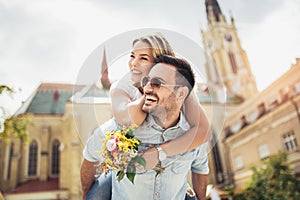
<point x="120" y="152"/>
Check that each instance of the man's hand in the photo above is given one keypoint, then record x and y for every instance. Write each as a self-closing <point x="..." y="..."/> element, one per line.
<point x="151" y="157"/>
<point x="87" y="176"/>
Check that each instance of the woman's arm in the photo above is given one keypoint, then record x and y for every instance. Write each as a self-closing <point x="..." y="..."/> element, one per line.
<point x="135" y="112"/>
<point x="119" y="101"/>
<point x="124" y="111"/>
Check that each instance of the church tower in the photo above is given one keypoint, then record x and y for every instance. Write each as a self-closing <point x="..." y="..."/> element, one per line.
<point x="227" y="62"/>
<point x="104" y="73"/>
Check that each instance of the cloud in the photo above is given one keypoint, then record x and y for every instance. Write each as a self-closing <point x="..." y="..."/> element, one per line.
<point x="271" y="44"/>
<point x="252" y="11"/>
<point x="32" y="39"/>
<point x="50" y="40"/>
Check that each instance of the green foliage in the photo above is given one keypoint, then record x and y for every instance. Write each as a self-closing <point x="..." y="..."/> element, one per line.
<point x="16" y="126"/>
<point x="5" y="88"/>
<point x="274" y="180"/>
<point x="230" y="189"/>
<point x="131" y="169"/>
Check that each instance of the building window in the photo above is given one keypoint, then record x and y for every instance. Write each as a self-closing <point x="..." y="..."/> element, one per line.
<point x="55" y="158"/>
<point x="233" y="63"/>
<point x="228" y="132"/>
<point x="273" y="103"/>
<point x="239" y="164"/>
<point x="217" y="160"/>
<point x="290" y="141"/>
<point x="261" y="109"/>
<point x="252" y="117"/>
<point x="11" y="154"/>
<point x="236" y="127"/>
<point x="285" y="93"/>
<point x="33" y="156"/>
<point x="263" y="151"/>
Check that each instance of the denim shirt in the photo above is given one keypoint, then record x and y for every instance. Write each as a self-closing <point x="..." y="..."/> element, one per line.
<point x="172" y="182"/>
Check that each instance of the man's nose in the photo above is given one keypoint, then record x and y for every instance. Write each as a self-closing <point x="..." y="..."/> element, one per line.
<point x="148" y="87"/>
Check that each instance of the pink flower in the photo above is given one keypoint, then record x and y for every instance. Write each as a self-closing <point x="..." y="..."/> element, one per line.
<point x="111" y="145"/>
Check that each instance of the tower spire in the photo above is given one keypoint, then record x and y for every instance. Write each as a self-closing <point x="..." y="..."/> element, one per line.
<point x="213" y="10"/>
<point x="104" y="72"/>
<point x="227" y="62"/>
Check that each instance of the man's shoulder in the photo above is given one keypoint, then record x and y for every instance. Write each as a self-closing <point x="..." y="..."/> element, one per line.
<point x="106" y="126"/>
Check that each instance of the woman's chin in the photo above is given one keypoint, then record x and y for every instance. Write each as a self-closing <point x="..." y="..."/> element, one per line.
<point x="136" y="78"/>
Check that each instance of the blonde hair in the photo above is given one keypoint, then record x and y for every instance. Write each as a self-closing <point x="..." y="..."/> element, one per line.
<point x="158" y="43"/>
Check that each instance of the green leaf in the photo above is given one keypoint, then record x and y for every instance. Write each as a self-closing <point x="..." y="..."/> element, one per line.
<point x="130" y="134"/>
<point x="120" y="175"/>
<point x="131" y="171"/>
<point x="131" y="168"/>
<point x="130" y="176"/>
<point x="140" y="160"/>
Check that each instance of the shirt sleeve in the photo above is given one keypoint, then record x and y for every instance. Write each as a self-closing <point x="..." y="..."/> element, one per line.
<point x="200" y="164"/>
<point x="94" y="143"/>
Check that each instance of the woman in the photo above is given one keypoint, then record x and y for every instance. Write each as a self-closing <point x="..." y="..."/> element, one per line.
<point x="127" y="100"/>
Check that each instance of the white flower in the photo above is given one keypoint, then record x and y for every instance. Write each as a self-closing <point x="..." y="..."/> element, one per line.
<point x="132" y="153"/>
<point x="111" y="145"/>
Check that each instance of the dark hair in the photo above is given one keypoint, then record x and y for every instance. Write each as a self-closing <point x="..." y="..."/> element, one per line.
<point x="185" y="75"/>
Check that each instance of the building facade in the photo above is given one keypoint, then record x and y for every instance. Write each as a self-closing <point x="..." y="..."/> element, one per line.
<point x="257" y="124"/>
<point x="48" y="166"/>
<point x="263" y="125"/>
<point x="62" y="117"/>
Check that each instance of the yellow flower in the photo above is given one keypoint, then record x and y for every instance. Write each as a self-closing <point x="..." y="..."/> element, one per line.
<point x="119" y="152"/>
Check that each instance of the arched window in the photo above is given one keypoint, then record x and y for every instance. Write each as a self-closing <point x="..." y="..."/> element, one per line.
<point x="233" y="63"/>
<point x="55" y="158"/>
<point x="33" y="158"/>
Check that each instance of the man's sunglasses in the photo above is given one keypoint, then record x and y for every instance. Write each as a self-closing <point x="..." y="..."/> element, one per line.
<point x="154" y="82"/>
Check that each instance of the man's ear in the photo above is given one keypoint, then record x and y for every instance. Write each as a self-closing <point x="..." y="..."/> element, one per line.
<point x="182" y="93"/>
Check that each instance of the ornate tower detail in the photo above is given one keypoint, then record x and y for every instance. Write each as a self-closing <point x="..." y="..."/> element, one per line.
<point x="227" y="62"/>
<point x="104" y="72"/>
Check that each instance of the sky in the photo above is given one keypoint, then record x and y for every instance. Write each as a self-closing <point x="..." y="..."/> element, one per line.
<point x="48" y="41"/>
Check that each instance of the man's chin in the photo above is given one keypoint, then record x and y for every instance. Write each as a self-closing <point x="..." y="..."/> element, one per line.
<point x="147" y="108"/>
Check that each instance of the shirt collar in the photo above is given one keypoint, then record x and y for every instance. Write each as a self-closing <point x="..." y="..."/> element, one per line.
<point x="182" y="123"/>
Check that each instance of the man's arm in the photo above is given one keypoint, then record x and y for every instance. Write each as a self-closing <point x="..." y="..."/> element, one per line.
<point x="199" y="185"/>
<point x="87" y="176"/>
<point x="200" y="171"/>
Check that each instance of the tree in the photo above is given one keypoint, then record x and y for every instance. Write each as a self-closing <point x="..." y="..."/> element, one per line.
<point x="16" y="125"/>
<point x="275" y="180"/>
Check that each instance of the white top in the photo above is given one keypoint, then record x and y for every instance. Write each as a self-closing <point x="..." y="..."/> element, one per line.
<point x="126" y="85"/>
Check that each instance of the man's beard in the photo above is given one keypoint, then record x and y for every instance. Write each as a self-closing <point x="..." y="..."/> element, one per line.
<point x="165" y="109"/>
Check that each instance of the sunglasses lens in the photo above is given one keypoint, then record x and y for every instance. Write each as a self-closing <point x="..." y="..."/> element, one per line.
<point x="145" y="80"/>
<point x="155" y="83"/>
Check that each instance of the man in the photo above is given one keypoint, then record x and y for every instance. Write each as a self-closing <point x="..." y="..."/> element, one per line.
<point x="169" y="83"/>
